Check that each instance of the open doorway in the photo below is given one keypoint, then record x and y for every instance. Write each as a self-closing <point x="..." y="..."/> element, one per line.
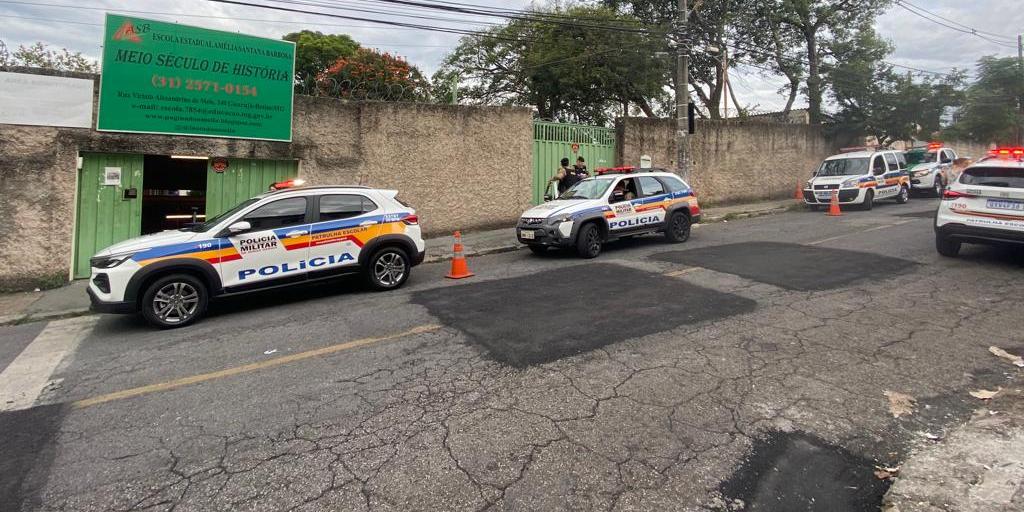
<point x="173" y="192"/>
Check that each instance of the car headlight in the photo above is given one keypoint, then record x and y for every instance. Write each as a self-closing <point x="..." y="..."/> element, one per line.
<point x="808" y="185"/>
<point x="850" y="183"/>
<point x="560" y="219"/>
<point x="918" y="174"/>
<point x="110" y="261"/>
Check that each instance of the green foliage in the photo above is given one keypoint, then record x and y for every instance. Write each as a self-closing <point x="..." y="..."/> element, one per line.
<point x="39" y="55"/>
<point x="568" y="73"/>
<point x="315" y="51"/>
<point x="371" y="75"/>
<point x="991" y="109"/>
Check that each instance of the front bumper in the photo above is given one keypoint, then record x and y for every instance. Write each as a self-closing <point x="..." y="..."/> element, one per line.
<point x="980" y="235"/>
<point x="99" y="306"/>
<point x="545" y="235"/>
<point x="846" y="195"/>
<point x="926" y="182"/>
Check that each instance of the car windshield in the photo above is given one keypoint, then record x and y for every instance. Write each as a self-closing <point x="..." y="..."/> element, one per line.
<point x="592" y="188"/>
<point x="210" y="223"/>
<point x="843" y="167"/>
<point x="921" y="157"/>
<point x="993" y="177"/>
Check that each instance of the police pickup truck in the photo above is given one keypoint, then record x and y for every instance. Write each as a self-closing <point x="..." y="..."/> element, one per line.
<point x="616" y="203"/>
<point x="929" y="167"/>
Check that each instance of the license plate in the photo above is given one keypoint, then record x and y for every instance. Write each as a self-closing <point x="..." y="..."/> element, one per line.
<point x="527" y="234"/>
<point x="998" y="204"/>
<point x="823" y="195"/>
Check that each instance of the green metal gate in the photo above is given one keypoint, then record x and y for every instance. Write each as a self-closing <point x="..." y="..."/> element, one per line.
<point x="243" y="179"/>
<point x="554" y="141"/>
<point x="104" y="215"/>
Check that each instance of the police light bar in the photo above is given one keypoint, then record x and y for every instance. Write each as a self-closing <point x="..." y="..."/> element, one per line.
<point x="281" y="185"/>
<point x="614" y="170"/>
<point x="1007" y="152"/>
<point x="934" y="145"/>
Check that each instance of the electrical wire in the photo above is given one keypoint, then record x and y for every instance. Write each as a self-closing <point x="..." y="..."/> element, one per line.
<point x="970" y="31"/>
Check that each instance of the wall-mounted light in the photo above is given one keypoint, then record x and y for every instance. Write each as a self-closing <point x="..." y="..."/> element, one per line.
<point x="189" y="157"/>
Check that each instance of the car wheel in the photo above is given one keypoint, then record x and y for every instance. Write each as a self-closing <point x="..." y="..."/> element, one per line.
<point x="174" y="301"/>
<point x="539" y="250"/>
<point x="946" y="247"/>
<point x="869" y="200"/>
<point x="588" y="242"/>
<point x="903" y="196"/>
<point x="939" y="187"/>
<point x="678" y="229"/>
<point x="388" y="268"/>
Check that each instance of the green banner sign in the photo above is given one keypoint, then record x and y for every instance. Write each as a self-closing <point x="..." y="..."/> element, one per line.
<point x="168" y="78"/>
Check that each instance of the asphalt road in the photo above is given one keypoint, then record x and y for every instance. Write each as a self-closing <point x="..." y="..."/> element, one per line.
<point x="745" y="369"/>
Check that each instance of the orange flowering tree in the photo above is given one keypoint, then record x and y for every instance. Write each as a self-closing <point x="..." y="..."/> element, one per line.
<point x="372" y="75"/>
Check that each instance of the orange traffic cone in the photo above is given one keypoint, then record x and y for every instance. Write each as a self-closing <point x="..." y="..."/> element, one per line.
<point x="799" y="195"/>
<point x="833" y="206"/>
<point x="459" y="268"/>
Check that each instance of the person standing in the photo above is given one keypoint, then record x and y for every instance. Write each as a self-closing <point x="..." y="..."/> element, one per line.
<point x="581" y="168"/>
<point x="565" y="176"/>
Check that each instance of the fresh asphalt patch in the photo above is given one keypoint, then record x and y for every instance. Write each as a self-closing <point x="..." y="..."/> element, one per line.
<point x="548" y="315"/>
<point x="28" y="451"/>
<point x="800" y="472"/>
<point x="791" y="266"/>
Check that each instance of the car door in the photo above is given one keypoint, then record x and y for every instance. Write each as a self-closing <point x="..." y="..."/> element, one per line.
<point x="650" y="207"/>
<point x="879" y="170"/>
<point x="623" y="211"/>
<point x="342" y="225"/>
<point x="893" y="174"/>
<point x="274" y="249"/>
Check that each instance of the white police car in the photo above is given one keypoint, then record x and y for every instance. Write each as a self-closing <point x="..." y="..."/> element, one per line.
<point x="615" y="203"/>
<point x="984" y="205"/>
<point x="929" y="167"/>
<point x="861" y="176"/>
<point x="287" y="237"/>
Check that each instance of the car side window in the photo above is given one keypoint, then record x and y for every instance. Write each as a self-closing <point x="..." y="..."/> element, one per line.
<point x="901" y="161"/>
<point x="343" y="206"/>
<point x="286" y="212"/>
<point x="947" y="156"/>
<point x="878" y="166"/>
<point x="673" y="183"/>
<point x="624" y="190"/>
<point x="890" y="158"/>
<point x="650" y="187"/>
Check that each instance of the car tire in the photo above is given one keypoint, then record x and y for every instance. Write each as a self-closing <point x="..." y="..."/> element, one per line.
<point x="539" y="250"/>
<point x="678" y="228"/>
<point x="946" y="247"/>
<point x="588" y="241"/>
<point x="174" y="301"/>
<point x="387" y="269"/>
<point x="903" y="196"/>
<point x="869" y="200"/>
<point x="938" y="188"/>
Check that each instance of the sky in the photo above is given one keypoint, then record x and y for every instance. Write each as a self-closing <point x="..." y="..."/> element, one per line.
<point x="77" y="25"/>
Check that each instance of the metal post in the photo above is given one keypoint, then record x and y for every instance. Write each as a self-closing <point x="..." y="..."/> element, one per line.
<point x="682" y="92"/>
<point x="1020" y="98"/>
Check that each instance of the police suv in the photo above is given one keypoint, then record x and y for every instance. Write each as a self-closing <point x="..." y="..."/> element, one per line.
<point x="929" y="167"/>
<point x="860" y="176"/>
<point x="616" y="203"/>
<point x="984" y="205"/>
<point x="286" y="237"/>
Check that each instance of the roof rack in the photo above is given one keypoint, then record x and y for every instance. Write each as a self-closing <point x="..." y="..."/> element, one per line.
<point x="625" y="170"/>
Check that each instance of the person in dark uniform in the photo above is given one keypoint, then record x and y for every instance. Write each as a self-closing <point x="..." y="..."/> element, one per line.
<point x="581" y="168"/>
<point x="565" y="176"/>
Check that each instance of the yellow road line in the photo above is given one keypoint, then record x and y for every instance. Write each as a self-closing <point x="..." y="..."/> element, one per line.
<point x="682" y="271"/>
<point x="237" y="370"/>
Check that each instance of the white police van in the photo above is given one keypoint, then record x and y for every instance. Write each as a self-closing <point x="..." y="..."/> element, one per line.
<point x="929" y="167"/>
<point x="860" y="176"/>
<point x="984" y="205"/>
<point x="616" y="203"/>
<point x="285" y="237"/>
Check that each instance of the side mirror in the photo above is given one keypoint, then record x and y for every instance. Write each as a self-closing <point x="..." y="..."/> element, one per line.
<point x="239" y="227"/>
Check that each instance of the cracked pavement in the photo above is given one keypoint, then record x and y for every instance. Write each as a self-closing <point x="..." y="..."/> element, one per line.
<point x="433" y="421"/>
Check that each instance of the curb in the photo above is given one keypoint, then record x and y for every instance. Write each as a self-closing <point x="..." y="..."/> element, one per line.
<point x="47" y="315"/>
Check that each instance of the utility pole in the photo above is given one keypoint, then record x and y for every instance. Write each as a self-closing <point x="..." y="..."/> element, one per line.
<point x="682" y="92"/>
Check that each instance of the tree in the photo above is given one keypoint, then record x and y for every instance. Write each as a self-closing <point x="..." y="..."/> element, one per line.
<point x="991" y="110"/>
<point x="315" y="51"/>
<point x="568" y="72"/>
<point x="39" y="55"/>
<point x="371" y="75"/>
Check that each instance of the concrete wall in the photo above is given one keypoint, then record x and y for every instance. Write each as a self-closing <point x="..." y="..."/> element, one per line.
<point x="975" y="150"/>
<point x="732" y="161"/>
<point x="460" y="167"/>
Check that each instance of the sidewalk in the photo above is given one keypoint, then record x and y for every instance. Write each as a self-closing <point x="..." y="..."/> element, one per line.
<point x="72" y="300"/>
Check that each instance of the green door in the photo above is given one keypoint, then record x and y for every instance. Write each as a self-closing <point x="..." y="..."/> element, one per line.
<point x="243" y="179"/>
<point x="104" y="215"/>
<point x="554" y="141"/>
